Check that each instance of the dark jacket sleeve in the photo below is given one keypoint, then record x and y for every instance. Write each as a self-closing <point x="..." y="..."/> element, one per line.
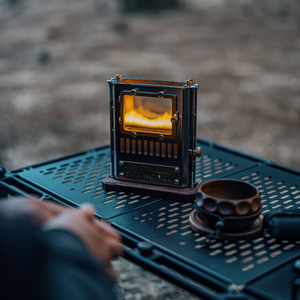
<point x="73" y="273"/>
<point x="22" y="257"/>
<point x="49" y="265"/>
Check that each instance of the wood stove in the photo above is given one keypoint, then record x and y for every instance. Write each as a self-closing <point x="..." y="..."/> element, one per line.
<point x="153" y="137"/>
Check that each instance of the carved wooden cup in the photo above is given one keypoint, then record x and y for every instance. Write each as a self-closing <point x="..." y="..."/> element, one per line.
<point x="227" y="204"/>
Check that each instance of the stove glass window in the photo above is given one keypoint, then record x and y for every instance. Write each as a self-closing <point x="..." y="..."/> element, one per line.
<point x="147" y="114"/>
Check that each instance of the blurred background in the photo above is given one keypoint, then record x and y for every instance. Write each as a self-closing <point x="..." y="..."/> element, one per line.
<point x="55" y="58"/>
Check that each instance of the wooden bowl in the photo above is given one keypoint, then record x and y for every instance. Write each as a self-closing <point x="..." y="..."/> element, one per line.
<point x="237" y="204"/>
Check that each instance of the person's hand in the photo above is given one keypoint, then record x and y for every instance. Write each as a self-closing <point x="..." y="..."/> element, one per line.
<point x="102" y="241"/>
<point x="32" y="209"/>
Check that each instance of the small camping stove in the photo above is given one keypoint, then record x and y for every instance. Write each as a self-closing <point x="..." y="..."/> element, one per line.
<point x="153" y="138"/>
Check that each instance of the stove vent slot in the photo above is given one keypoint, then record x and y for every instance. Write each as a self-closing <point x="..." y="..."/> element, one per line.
<point x="151" y="150"/>
<point x="169" y="150"/>
<point x="175" y="151"/>
<point x="122" y="145"/>
<point x="128" y="145"/>
<point x="140" y="147"/>
<point x="163" y="149"/>
<point x="145" y="147"/>
<point x="133" y="147"/>
<point x="157" y="149"/>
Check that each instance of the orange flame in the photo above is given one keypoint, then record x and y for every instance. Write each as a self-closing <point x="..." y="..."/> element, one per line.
<point x="142" y="119"/>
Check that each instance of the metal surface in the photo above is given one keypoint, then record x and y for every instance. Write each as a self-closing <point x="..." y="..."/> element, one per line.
<point x="212" y="270"/>
<point x="148" y="172"/>
<point x="13" y="188"/>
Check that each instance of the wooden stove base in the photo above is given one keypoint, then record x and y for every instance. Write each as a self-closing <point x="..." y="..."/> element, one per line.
<point x="173" y="193"/>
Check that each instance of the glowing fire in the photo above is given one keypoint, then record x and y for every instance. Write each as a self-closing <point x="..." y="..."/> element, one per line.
<point x="147" y="114"/>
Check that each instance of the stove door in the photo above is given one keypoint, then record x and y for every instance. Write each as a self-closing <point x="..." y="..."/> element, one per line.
<point x="148" y="114"/>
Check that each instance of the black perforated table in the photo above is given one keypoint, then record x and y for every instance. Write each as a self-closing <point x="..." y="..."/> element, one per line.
<point x="156" y="231"/>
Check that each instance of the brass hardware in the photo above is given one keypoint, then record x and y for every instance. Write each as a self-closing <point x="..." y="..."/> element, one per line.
<point x="175" y="117"/>
<point x="119" y="77"/>
<point x="198" y="152"/>
<point x="189" y="82"/>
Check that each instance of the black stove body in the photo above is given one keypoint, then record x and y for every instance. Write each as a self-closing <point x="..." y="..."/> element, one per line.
<point x="153" y="131"/>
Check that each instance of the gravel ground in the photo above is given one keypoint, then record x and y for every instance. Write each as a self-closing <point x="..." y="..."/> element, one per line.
<point x="55" y="58"/>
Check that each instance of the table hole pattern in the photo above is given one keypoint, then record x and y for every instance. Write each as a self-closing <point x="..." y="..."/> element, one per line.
<point x="280" y="195"/>
<point x="208" y="166"/>
<point x="246" y="255"/>
<point x="83" y="178"/>
<point x="173" y="217"/>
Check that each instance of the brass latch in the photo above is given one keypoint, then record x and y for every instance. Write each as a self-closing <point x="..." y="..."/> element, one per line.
<point x="175" y="117"/>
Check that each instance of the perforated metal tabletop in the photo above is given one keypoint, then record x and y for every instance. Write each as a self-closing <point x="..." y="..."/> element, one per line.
<point x="214" y="270"/>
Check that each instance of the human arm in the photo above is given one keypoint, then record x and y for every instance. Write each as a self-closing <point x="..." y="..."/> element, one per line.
<point x="69" y="250"/>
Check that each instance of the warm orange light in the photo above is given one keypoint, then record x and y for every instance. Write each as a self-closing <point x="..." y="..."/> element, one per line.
<point x="147" y="114"/>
